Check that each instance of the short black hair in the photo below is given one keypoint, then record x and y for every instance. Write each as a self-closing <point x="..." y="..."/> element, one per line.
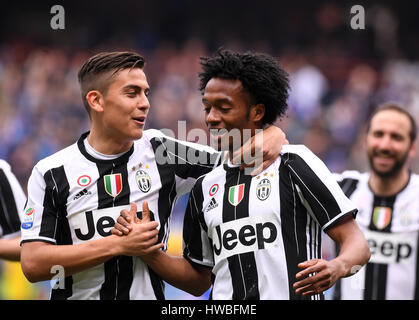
<point x="394" y="106"/>
<point x="260" y="74"/>
<point x="91" y="74"/>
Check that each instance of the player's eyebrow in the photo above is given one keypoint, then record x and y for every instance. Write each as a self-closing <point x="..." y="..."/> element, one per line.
<point x="134" y="87"/>
<point x="217" y="102"/>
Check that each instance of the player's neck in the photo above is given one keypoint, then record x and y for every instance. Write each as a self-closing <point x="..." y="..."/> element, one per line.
<point x="390" y="186"/>
<point x="108" y="145"/>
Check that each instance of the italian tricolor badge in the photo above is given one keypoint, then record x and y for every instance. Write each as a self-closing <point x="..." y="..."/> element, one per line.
<point x="235" y="194"/>
<point x="113" y="184"/>
<point x="381" y="217"/>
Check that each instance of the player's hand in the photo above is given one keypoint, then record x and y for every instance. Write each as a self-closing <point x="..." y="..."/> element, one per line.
<point x="143" y="236"/>
<point x="262" y="150"/>
<point x="123" y="224"/>
<point x="323" y="273"/>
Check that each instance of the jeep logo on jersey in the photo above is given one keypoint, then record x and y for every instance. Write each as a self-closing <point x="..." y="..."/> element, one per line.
<point x="381" y="217"/>
<point x="113" y="184"/>
<point x="97" y="223"/>
<point x="143" y="180"/>
<point x="389" y="248"/>
<point x="263" y="189"/>
<point x="236" y="194"/>
<point x="244" y="235"/>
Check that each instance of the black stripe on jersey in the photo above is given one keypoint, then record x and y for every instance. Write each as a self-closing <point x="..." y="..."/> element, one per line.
<point x="242" y="267"/>
<point x="9" y="217"/>
<point x="293" y="226"/>
<point x="51" y="204"/>
<point x="119" y="271"/>
<point x="348" y="186"/>
<point x="376" y="273"/>
<point x="321" y="200"/>
<point x="192" y="220"/>
<point x="167" y="193"/>
<point x="184" y="158"/>
<point x="57" y="226"/>
<point x="105" y="199"/>
<point x="157" y="284"/>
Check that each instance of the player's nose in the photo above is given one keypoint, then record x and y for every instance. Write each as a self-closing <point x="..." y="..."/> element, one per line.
<point x="212" y="117"/>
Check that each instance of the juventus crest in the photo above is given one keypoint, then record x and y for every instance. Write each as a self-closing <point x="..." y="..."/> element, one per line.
<point x="263" y="189"/>
<point x="143" y="180"/>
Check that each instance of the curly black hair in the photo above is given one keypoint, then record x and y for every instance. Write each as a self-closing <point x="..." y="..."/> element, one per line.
<point x="261" y="76"/>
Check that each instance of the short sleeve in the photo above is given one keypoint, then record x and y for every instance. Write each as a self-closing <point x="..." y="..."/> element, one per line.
<point x="317" y="187"/>
<point x="12" y="201"/>
<point x="39" y="221"/>
<point x="196" y="244"/>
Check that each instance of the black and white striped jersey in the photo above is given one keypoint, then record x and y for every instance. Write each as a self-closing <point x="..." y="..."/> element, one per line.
<point x="74" y="197"/>
<point x="391" y="226"/>
<point x="253" y="231"/>
<point x="12" y="202"/>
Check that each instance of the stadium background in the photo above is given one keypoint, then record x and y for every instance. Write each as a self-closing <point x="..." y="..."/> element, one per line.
<point x="338" y="75"/>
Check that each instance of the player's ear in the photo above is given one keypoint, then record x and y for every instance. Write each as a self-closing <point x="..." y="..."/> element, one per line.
<point x="95" y="100"/>
<point x="257" y="112"/>
<point x="412" y="150"/>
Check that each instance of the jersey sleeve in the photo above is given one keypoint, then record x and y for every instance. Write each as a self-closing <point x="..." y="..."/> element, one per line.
<point x="196" y="244"/>
<point x="317" y="187"/>
<point x="40" y="216"/>
<point x="12" y="201"/>
<point x="187" y="160"/>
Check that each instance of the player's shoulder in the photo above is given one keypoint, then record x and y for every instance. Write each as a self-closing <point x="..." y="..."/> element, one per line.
<point x="298" y="153"/>
<point x="4" y="165"/>
<point x="414" y="180"/>
<point x="354" y="175"/>
<point x="295" y="149"/>
<point x="153" y="133"/>
<point x="60" y="158"/>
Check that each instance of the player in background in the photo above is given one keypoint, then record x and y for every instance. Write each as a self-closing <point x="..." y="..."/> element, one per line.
<point x="75" y="195"/>
<point x="12" y="202"/>
<point x="388" y="200"/>
<point x="258" y="237"/>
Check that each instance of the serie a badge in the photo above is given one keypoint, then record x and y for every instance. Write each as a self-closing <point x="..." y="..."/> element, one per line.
<point x="143" y="180"/>
<point x="263" y="189"/>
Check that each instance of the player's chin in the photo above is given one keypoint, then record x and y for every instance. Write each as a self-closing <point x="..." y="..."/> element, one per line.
<point x="136" y="133"/>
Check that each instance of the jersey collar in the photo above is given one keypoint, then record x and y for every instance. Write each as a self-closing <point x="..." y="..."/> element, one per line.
<point x="122" y="159"/>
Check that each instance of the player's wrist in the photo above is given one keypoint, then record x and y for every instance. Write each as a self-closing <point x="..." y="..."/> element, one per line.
<point x="114" y="245"/>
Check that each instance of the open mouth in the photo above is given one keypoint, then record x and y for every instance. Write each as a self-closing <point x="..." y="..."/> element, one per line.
<point x="140" y="120"/>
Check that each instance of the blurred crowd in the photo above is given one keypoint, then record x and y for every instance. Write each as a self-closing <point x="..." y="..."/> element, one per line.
<point x="336" y="82"/>
<point x="42" y="112"/>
